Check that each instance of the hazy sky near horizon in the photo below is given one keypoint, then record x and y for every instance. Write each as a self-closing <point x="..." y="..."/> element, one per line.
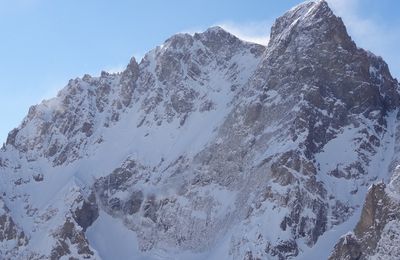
<point x="44" y="43"/>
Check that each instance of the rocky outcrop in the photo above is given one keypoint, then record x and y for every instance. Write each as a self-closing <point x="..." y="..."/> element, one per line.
<point x="69" y="238"/>
<point x="376" y="234"/>
<point x="10" y="233"/>
<point x="122" y="180"/>
<point x="86" y="212"/>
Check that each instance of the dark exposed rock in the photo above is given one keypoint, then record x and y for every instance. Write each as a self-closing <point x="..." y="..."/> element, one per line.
<point x="87" y="128"/>
<point x="379" y="209"/>
<point x="129" y="78"/>
<point x="87" y="213"/>
<point x="284" y="250"/>
<point x="121" y="179"/>
<point x="38" y="177"/>
<point x="150" y="208"/>
<point x="11" y="137"/>
<point x="9" y="231"/>
<point x="132" y="205"/>
<point x="69" y="235"/>
<point x="348" y="248"/>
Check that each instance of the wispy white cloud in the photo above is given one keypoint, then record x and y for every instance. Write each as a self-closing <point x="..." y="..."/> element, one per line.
<point x="50" y="91"/>
<point x="381" y="39"/>
<point x="116" y="69"/>
<point x="121" y="67"/>
<point x="362" y="28"/>
<point x="257" y="32"/>
<point x="193" y="30"/>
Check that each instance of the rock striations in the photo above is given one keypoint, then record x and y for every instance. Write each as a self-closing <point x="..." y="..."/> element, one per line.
<point x="213" y="148"/>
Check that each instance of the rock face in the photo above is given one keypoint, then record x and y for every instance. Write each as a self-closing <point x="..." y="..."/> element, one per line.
<point x="213" y="148"/>
<point x="377" y="234"/>
<point x="12" y="237"/>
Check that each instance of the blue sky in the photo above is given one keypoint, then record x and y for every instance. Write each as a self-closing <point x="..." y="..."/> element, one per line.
<point x="44" y="43"/>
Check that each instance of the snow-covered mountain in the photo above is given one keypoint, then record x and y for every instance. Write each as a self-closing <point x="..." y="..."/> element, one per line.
<point x="212" y="148"/>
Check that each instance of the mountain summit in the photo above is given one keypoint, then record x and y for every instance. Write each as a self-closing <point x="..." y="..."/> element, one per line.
<point x="212" y="148"/>
<point x="311" y="23"/>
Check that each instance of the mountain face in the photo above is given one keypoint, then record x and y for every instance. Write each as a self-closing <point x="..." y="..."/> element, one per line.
<point x="377" y="234"/>
<point x="213" y="148"/>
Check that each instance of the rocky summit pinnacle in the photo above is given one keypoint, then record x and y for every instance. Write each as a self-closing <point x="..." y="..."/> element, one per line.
<point x="213" y="148"/>
<point x="312" y="23"/>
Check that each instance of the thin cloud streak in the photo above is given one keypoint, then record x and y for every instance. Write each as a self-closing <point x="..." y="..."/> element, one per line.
<point x="257" y="32"/>
<point x="116" y="69"/>
<point x="367" y="33"/>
